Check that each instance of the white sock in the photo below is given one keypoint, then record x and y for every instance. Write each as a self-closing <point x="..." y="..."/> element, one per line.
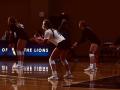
<point x="94" y="65"/>
<point x="18" y="62"/>
<point x="54" y="73"/>
<point x="91" y="65"/>
<point x="68" y="72"/>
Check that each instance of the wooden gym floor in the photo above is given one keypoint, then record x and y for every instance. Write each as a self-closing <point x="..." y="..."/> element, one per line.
<point x="34" y="76"/>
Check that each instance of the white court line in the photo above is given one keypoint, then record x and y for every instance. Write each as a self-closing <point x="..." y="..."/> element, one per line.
<point x="72" y="83"/>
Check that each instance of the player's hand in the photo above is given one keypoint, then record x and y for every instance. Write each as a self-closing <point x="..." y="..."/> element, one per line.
<point x="74" y="45"/>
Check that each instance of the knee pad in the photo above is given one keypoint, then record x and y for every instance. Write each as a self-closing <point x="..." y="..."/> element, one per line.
<point x="92" y="58"/>
<point x="20" y="53"/>
<point x="91" y="55"/>
<point x="51" y="61"/>
<point x="66" y="61"/>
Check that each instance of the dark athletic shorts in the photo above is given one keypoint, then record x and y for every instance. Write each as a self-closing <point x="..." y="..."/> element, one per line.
<point x="63" y="45"/>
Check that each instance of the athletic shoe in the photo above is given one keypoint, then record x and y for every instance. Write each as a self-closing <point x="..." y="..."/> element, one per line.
<point x="14" y="66"/>
<point x="53" y="78"/>
<point x="19" y="66"/>
<point x="53" y="82"/>
<point x="90" y="69"/>
<point x="90" y="73"/>
<point x="68" y="76"/>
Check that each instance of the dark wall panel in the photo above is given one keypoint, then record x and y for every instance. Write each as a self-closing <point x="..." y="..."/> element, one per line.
<point x="18" y="9"/>
<point x="37" y="6"/>
<point x="103" y="15"/>
<point x="26" y="11"/>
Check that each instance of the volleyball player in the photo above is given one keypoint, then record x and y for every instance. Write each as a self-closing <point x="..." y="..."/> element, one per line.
<point x="61" y="49"/>
<point x="87" y="34"/>
<point x="21" y="36"/>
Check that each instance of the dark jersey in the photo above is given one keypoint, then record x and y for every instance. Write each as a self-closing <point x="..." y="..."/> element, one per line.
<point x="61" y="23"/>
<point x="88" y="35"/>
<point x="64" y="26"/>
<point x="19" y="30"/>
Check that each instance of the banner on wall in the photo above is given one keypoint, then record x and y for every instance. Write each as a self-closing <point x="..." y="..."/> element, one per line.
<point x="30" y="50"/>
<point x="43" y="51"/>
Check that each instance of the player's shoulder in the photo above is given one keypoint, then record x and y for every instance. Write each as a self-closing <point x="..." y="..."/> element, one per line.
<point x="19" y="25"/>
<point x="50" y="30"/>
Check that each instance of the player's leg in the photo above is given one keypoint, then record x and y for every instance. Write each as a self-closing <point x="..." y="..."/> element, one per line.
<point x="93" y="55"/>
<point x="63" y="56"/>
<point x="53" y="57"/>
<point x="21" y="44"/>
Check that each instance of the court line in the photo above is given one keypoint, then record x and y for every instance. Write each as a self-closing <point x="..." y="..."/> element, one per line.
<point x="72" y="83"/>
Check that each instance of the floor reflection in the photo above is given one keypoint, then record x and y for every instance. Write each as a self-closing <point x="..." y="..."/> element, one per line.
<point x="19" y="80"/>
<point x="54" y="84"/>
<point x="33" y="76"/>
<point x="92" y="76"/>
